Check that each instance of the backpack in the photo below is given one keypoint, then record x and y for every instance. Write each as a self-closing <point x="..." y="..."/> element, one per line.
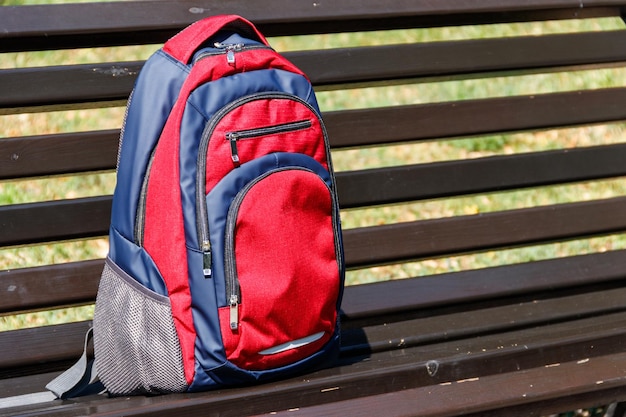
<point x="226" y="264"/>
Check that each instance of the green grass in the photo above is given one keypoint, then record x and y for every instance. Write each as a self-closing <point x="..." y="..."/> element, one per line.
<point x="13" y="192"/>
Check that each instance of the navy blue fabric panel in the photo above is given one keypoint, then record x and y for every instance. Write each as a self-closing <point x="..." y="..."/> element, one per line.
<point x="202" y="381"/>
<point x="209" y="349"/>
<point x="155" y="93"/>
<point x="190" y="134"/>
<point x="135" y="262"/>
<point x="209" y="97"/>
<point x="229" y="374"/>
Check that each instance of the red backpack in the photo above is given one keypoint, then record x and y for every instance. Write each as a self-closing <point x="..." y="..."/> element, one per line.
<point x="226" y="262"/>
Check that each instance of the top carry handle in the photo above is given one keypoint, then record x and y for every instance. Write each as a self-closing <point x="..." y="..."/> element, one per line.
<point x="183" y="45"/>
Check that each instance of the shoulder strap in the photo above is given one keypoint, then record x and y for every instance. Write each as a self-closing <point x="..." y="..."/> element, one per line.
<point x="80" y="379"/>
<point x="186" y="42"/>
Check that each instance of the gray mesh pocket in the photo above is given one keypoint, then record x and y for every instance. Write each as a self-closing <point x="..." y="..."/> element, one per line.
<point x="135" y="342"/>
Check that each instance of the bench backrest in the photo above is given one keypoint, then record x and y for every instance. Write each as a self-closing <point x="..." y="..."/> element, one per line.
<point x="437" y="187"/>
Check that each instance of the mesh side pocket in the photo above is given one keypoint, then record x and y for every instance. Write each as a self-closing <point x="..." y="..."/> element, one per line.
<point x="135" y="342"/>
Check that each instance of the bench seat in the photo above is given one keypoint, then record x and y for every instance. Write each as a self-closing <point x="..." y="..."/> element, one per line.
<point x="524" y="337"/>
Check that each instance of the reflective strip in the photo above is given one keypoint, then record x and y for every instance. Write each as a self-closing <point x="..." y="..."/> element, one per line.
<point x="294" y="344"/>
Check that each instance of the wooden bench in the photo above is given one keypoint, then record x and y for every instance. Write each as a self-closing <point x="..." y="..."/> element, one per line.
<point x="530" y="337"/>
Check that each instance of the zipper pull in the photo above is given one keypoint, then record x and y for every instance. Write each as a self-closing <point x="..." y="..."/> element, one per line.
<point x="230" y="57"/>
<point x="234" y="312"/>
<point x="230" y="49"/>
<point x="206" y="259"/>
<point x="234" y="153"/>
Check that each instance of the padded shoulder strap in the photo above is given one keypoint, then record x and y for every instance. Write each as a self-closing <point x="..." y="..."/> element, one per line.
<point x="80" y="379"/>
<point x="186" y="42"/>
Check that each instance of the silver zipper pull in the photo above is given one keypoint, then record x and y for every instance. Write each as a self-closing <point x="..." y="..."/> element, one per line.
<point x="234" y="153"/>
<point x="234" y="312"/>
<point x="230" y="57"/>
<point x="230" y="49"/>
<point x="206" y="259"/>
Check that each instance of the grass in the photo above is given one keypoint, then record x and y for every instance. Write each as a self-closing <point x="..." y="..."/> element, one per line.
<point x="13" y="192"/>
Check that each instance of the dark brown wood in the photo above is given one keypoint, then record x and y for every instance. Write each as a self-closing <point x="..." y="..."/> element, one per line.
<point x="482" y="175"/>
<point x="41" y="346"/>
<point x="92" y="151"/>
<point x="455" y="288"/>
<point x="49" y="286"/>
<point x="44" y="27"/>
<point x="66" y="88"/>
<point x="524" y="339"/>
<point x="54" y="220"/>
<point x="88" y="217"/>
<point x="68" y="153"/>
<point x="362" y="302"/>
<point x="395" y="370"/>
<point x="90" y="85"/>
<point x="469" y="323"/>
<point x="437" y="61"/>
<point x="24" y="385"/>
<point x="394" y="243"/>
<point x="372" y="127"/>
<point x="479" y="395"/>
<point x="76" y="282"/>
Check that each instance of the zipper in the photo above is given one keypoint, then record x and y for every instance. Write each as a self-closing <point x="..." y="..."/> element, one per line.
<point x="233" y="137"/>
<point x="231" y="281"/>
<point x="202" y="220"/>
<point x="119" y="147"/>
<point x="229" y="49"/>
<point x="233" y="290"/>
<point x="141" y="205"/>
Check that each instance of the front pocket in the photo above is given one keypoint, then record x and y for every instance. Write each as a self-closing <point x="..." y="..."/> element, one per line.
<point x="249" y="128"/>
<point x="281" y="264"/>
<point x="260" y="132"/>
<point x="136" y="344"/>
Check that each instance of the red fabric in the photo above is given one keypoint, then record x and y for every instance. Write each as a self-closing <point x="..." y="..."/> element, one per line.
<point x="186" y="42"/>
<point x="259" y="114"/>
<point x="164" y="234"/>
<point x="287" y="268"/>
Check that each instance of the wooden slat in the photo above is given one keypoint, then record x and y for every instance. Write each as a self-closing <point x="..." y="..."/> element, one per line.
<point x="600" y="381"/>
<point x="86" y="85"/>
<point x="76" y="283"/>
<point x="371" y="127"/>
<point x="67" y="87"/>
<point x="516" y="339"/>
<point x="54" y="220"/>
<point x="482" y="175"/>
<point x="41" y="346"/>
<point x="49" y="286"/>
<point x="77" y="25"/>
<point x="374" y="301"/>
<point x="58" y="154"/>
<point x="362" y="302"/>
<point x="23" y="385"/>
<point x="367" y="338"/>
<point x="89" y="217"/>
<point x="469" y="323"/>
<point x="438" y="61"/>
<point x="395" y="370"/>
<point x="377" y="245"/>
<point x="92" y="151"/>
